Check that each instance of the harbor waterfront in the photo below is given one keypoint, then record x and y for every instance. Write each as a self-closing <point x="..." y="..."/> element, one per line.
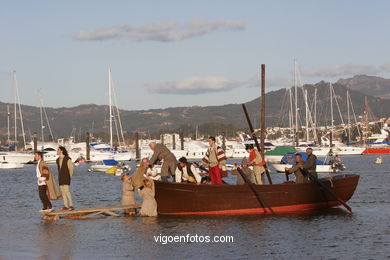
<point x="330" y="234"/>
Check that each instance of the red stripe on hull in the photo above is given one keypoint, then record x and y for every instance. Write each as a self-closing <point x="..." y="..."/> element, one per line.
<point x="377" y="151"/>
<point x="282" y="209"/>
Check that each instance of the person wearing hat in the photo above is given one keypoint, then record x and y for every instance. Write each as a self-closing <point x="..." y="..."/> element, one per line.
<point x="257" y="161"/>
<point x="245" y="169"/>
<point x="186" y="172"/>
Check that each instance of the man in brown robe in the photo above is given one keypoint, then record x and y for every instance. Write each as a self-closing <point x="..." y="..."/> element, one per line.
<point x="47" y="186"/>
<point x="162" y="153"/>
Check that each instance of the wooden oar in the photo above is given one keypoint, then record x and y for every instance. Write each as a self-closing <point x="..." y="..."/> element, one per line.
<point x="322" y="185"/>
<point x="256" y="142"/>
<point x="286" y="172"/>
<point x="252" y="188"/>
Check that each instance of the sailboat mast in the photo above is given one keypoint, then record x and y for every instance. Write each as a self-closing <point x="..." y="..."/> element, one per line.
<point x="110" y="105"/>
<point x="366" y="118"/>
<point x="349" y="121"/>
<point x="307" y="116"/>
<point x="15" y="114"/>
<point x="331" y="114"/>
<point x="8" y="133"/>
<point x="291" y="116"/>
<point x="20" y="112"/>
<point x="315" y="108"/>
<point x="315" y="115"/>
<point x="40" y="110"/>
<point x="296" y="103"/>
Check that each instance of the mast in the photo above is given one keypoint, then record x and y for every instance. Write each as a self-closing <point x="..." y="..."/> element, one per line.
<point x="40" y="110"/>
<point x="315" y="114"/>
<point x="110" y="105"/>
<point x="262" y="111"/>
<point x="8" y="133"/>
<point x="331" y="114"/>
<point x="349" y="121"/>
<point x="307" y="116"/>
<point x="15" y="114"/>
<point x="315" y="108"/>
<point x="366" y="118"/>
<point x="291" y="116"/>
<point x="296" y="104"/>
<point x="17" y="99"/>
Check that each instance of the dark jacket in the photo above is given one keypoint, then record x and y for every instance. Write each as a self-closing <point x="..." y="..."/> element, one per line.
<point x="63" y="171"/>
<point x="161" y="152"/>
<point x="311" y="163"/>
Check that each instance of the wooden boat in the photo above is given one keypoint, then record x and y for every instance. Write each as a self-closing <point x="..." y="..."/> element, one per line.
<point x="377" y="150"/>
<point x="190" y="199"/>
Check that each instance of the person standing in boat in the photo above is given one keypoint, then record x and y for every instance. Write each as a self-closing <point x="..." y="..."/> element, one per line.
<point x="162" y="153"/>
<point x="215" y="158"/>
<point x="311" y="163"/>
<point x="299" y="176"/>
<point x="65" y="173"/>
<point x="149" y="203"/>
<point x="47" y="186"/>
<point x="186" y="172"/>
<point x="245" y="169"/>
<point x="257" y="161"/>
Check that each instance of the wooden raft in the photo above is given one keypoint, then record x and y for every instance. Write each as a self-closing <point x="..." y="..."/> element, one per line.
<point x="83" y="213"/>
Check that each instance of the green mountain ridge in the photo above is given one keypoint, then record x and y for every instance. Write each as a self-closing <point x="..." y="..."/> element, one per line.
<point x="77" y="120"/>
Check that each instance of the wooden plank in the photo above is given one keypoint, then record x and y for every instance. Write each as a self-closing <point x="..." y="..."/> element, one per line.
<point x="110" y="213"/>
<point x="91" y="210"/>
<point x="91" y="215"/>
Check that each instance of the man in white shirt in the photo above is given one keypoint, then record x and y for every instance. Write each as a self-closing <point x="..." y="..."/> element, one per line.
<point x="46" y="184"/>
<point x="186" y="172"/>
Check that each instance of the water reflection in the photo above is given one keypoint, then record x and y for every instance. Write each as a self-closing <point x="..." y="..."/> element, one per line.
<point x="56" y="241"/>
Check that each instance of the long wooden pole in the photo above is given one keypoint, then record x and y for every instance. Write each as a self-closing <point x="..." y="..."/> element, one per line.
<point x="330" y="191"/>
<point x="253" y="189"/>
<point x="262" y="111"/>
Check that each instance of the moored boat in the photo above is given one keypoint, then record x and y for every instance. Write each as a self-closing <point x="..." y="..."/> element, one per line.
<point x="189" y="199"/>
<point x="377" y="150"/>
<point x="7" y="165"/>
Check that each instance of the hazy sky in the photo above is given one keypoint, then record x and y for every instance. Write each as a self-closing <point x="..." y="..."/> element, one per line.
<point x="179" y="53"/>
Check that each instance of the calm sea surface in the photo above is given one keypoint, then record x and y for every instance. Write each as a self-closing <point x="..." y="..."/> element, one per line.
<point x="332" y="234"/>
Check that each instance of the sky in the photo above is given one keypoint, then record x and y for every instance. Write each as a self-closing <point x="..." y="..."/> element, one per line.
<point x="183" y="53"/>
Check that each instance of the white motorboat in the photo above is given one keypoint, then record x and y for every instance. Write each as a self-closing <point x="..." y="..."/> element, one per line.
<point x="16" y="157"/>
<point x="317" y="150"/>
<point x="106" y="165"/>
<point x="320" y="168"/>
<point x="348" y="150"/>
<point x="7" y="165"/>
<point x="330" y="166"/>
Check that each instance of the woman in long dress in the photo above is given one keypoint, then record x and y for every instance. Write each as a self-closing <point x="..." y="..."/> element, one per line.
<point x="149" y="204"/>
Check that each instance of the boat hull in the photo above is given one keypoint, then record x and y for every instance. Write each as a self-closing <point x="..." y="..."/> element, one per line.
<point x="377" y="151"/>
<point x="189" y="199"/>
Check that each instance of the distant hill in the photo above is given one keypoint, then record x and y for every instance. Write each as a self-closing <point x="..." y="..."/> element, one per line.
<point x="80" y="119"/>
<point x="369" y="85"/>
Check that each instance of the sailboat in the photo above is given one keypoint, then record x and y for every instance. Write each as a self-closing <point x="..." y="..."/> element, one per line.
<point x="15" y="156"/>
